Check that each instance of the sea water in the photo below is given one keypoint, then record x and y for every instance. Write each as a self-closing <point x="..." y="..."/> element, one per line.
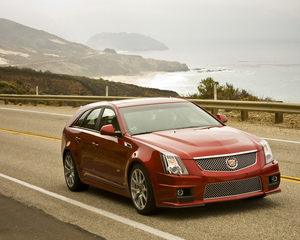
<point x="264" y="68"/>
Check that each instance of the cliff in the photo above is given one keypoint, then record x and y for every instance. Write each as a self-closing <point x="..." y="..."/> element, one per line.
<point x="27" y="47"/>
<point x="125" y="41"/>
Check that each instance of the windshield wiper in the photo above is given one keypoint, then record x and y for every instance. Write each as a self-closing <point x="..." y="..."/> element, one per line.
<point x="189" y="127"/>
<point x="202" y="127"/>
<point x="141" y="133"/>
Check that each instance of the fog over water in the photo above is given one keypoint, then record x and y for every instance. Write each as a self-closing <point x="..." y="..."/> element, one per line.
<point x="265" y="68"/>
<point x="252" y="44"/>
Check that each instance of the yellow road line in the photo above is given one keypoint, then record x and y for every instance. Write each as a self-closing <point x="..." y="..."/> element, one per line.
<point x="30" y="134"/>
<point x="290" y="179"/>
<point x="283" y="177"/>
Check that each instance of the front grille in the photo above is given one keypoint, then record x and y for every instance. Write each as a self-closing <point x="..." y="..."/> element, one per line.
<point x="219" y="163"/>
<point x="232" y="188"/>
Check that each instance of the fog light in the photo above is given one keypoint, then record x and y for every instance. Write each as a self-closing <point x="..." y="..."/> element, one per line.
<point x="274" y="181"/>
<point x="185" y="194"/>
<point x="274" y="178"/>
<point x="180" y="192"/>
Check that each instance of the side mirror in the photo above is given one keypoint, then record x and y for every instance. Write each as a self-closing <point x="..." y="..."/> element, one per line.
<point x="110" y="131"/>
<point x="222" y="118"/>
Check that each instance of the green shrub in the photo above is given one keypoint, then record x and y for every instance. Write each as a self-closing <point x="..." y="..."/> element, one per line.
<point x="224" y="92"/>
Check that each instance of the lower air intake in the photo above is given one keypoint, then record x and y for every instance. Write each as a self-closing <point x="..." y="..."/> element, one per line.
<point x="232" y="188"/>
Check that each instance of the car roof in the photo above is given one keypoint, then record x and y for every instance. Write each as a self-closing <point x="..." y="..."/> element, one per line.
<point x="145" y="101"/>
<point x="136" y="102"/>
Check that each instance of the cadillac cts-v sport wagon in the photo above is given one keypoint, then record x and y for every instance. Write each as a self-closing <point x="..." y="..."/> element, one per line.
<point x="165" y="152"/>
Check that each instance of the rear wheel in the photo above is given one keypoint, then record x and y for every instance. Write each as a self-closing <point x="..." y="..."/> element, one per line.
<point x="141" y="191"/>
<point x="71" y="174"/>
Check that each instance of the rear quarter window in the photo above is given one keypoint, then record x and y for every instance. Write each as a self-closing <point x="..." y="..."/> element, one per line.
<point x="80" y="120"/>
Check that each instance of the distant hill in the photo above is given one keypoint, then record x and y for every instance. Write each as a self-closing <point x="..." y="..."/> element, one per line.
<point x="125" y="41"/>
<point x="24" y="81"/>
<point x="23" y="46"/>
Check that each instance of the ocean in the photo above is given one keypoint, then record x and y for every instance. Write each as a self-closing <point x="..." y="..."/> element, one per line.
<point x="264" y="68"/>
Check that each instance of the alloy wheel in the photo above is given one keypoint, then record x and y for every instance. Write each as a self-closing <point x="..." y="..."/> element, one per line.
<point x="69" y="171"/>
<point x="139" y="190"/>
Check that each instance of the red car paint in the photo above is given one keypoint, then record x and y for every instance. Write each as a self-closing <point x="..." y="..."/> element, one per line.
<point x="105" y="161"/>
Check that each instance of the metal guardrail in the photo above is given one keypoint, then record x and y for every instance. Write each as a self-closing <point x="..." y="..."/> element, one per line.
<point x="63" y="98"/>
<point x="278" y="108"/>
<point x="274" y="107"/>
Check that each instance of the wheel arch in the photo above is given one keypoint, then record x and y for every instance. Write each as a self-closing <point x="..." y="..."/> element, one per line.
<point x="130" y="167"/>
<point x="65" y="152"/>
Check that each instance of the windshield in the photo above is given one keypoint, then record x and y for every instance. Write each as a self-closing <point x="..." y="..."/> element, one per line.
<point x="160" y="117"/>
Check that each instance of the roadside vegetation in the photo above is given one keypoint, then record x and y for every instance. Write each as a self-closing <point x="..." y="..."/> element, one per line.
<point x="7" y="88"/>
<point x="15" y="80"/>
<point x="224" y="92"/>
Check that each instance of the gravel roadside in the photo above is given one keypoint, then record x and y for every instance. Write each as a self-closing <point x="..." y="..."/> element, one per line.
<point x="263" y="124"/>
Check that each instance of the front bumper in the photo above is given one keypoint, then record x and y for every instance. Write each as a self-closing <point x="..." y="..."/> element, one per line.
<point x="208" y="187"/>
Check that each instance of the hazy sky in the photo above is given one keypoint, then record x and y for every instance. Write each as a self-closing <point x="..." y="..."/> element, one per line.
<point x="164" y="20"/>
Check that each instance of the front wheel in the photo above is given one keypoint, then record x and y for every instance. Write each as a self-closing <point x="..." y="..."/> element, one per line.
<point x="141" y="191"/>
<point x="71" y="174"/>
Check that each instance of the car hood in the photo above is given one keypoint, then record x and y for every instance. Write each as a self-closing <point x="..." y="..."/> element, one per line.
<point x="200" y="142"/>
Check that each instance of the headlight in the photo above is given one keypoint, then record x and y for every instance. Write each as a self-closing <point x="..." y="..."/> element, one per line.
<point x="173" y="164"/>
<point x="268" y="153"/>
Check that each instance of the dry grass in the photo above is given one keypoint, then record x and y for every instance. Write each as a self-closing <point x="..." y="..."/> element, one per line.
<point x="264" y="118"/>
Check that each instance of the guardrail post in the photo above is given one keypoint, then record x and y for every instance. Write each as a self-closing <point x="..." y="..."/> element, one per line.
<point x="278" y="118"/>
<point x="214" y="111"/>
<point x="75" y="104"/>
<point x="215" y="92"/>
<point x="244" y="115"/>
<point x="48" y="103"/>
<point x="61" y="103"/>
<point x="6" y="101"/>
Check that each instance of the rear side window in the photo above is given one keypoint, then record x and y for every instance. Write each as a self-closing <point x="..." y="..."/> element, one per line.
<point x="88" y="119"/>
<point x="91" y="120"/>
<point x="81" y="119"/>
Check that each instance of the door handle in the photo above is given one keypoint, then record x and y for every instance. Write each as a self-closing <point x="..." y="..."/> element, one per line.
<point x="95" y="145"/>
<point x="78" y="139"/>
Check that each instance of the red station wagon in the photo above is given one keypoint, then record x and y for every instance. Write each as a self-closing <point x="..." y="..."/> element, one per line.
<point x="165" y="152"/>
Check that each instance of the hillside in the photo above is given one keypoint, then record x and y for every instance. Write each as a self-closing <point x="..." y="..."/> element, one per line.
<point x="124" y="41"/>
<point x="21" y="44"/>
<point x="24" y="81"/>
<point x="27" y="47"/>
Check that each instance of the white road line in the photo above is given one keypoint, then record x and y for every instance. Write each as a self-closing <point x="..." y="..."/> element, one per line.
<point x="58" y="114"/>
<point x="280" y="140"/>
<point x="97" y="210"/>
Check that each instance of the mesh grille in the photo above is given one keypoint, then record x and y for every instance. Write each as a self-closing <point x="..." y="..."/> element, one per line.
<point x="218" y="164"/>
<point x="233" y="188"/>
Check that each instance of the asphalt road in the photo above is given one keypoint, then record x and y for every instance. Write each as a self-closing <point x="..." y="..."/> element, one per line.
<point x="19" y="221"/>
<point x="31" y="173"/>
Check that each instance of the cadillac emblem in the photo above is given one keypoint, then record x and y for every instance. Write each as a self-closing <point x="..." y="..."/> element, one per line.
<point x="231" y="162"/>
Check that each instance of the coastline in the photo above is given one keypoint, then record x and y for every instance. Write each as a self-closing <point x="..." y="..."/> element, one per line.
<point x="172" y="81"/>
<point x="185" y="83"/>
<point x="138" y="79"/>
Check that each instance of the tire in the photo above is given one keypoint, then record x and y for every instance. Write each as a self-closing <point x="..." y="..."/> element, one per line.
<point x="141" y="191"/>
<point x="71" y="174"/>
